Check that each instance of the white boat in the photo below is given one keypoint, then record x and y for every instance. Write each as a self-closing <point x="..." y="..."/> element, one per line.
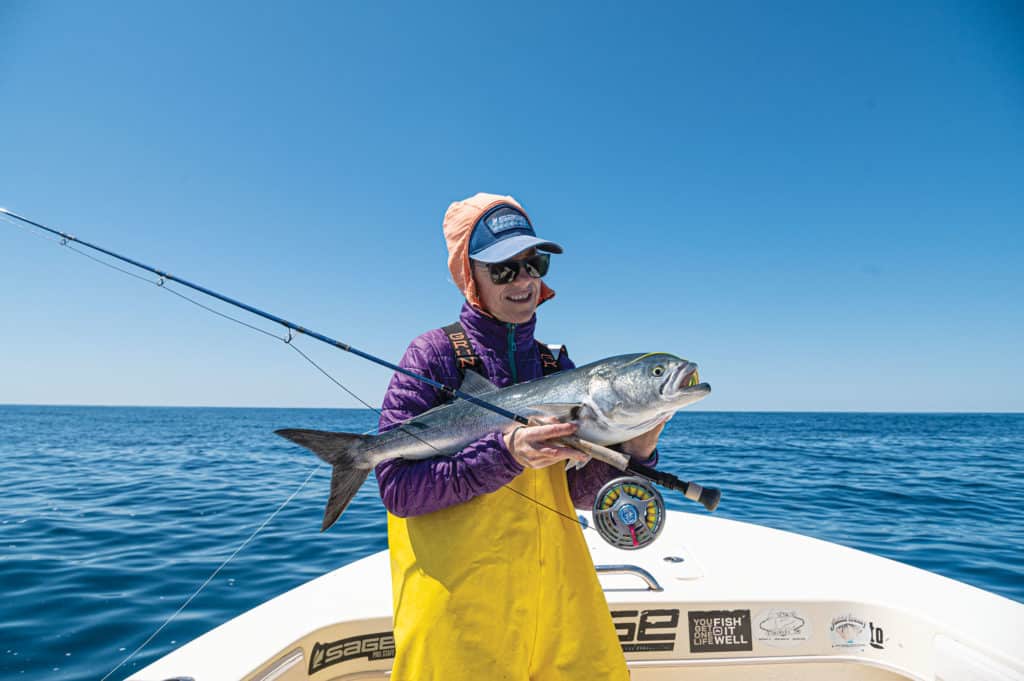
<point x="711" y="599"/>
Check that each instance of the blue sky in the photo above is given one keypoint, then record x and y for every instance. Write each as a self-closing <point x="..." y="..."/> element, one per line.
<point x="818" y="202"/>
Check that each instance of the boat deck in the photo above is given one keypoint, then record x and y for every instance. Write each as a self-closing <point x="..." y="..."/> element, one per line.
<point x="711" y="599"/>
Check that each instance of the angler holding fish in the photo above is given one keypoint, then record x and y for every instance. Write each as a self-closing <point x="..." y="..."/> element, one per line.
<point x="486" y="584"/>
<point x="491" y="576"/>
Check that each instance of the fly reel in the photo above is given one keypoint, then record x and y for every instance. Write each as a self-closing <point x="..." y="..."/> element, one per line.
<point x="629" y="513"/>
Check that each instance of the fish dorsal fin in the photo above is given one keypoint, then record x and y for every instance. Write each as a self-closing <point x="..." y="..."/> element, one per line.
<point x="475" y="384"/>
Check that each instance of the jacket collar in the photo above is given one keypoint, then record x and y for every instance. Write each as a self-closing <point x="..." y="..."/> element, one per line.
<point x="494" y="332"/>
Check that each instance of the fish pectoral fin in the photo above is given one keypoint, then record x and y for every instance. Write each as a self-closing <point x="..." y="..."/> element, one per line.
<point x="574" y="465"/>
<point x="475" y="384"/>
<point x="563" y="411"/>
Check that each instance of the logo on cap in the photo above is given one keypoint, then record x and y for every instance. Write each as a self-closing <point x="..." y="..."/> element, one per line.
<point x="505" y="218"/>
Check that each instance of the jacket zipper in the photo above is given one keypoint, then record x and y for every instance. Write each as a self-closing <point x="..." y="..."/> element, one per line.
<point x="512" y="351"/>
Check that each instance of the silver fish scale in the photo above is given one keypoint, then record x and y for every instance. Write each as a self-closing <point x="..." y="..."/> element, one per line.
<point x="447" y="429"/>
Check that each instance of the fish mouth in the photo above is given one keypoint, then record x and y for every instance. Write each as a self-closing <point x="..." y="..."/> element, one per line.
<point x="683" y="380"/>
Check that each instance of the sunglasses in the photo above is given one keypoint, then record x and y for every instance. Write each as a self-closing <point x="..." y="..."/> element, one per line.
<point x="506" y="272"/>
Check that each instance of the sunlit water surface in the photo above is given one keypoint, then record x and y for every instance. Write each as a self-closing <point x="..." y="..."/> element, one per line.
<point x="111" y="517"/>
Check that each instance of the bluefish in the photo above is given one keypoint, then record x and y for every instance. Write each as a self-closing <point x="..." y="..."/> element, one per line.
<point x="611" y="401"/>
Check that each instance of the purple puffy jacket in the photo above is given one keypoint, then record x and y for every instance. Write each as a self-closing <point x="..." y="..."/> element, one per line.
<point x="509" y="353"/>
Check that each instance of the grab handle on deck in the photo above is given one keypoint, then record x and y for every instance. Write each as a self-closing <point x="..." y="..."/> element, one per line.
<point x="652" y="583"/>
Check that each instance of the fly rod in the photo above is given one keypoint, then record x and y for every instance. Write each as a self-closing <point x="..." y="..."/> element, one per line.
<point x="706" y="496"/>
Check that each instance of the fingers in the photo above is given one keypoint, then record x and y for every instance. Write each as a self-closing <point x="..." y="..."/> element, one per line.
<point x="561" y="453"/>
<point x="532" y="445"/>
<point x="539" y="459"/>
<point x="541" y="456"/>
<point x="545" y="428"/>
<point x="537" y="433"/>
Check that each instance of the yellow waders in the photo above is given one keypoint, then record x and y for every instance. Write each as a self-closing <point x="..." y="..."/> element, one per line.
<point x="501" y="588"/>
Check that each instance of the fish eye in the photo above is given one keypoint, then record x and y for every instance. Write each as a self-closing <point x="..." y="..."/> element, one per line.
<point x="658" y="370"/>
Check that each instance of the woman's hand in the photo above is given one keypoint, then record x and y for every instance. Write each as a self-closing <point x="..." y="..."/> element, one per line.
<point x="532" y="447"/>
<point x="642" y="446"/>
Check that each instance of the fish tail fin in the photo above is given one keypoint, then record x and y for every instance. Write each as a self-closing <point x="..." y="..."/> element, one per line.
<point x="344" y="452"/>
<point x="344" y="485"/>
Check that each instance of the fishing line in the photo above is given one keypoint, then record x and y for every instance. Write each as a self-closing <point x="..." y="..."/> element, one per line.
<point x="164" y="278"/>
<point x="214" y="574"/>
<point x="288" y="340"/>
<point x="429" y="444"/>
<point x="65" y="239"/>
<point x="161" y="283"/>
<point x="706" y="496"/>
<point x="338" y="383"/>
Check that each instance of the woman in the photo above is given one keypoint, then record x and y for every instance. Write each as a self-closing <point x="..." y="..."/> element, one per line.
<point x="491" y="575"/>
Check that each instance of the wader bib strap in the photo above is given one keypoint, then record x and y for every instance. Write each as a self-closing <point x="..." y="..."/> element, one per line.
<point x="486" y="589"/>
<point x="548" y="359"/>
<point x="466" y="357"/>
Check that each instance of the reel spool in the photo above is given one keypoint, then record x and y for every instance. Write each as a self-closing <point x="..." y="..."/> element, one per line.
<point x="629" y="513"/>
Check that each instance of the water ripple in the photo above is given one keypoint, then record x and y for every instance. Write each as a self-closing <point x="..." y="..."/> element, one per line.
<point x="111" y="517"/>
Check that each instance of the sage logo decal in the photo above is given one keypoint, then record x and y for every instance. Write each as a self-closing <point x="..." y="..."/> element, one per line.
<point x="371" y="646"/>
<point x="716" y="631"/>
<point x="782" y="627"/>
<point x="646" y="630"/>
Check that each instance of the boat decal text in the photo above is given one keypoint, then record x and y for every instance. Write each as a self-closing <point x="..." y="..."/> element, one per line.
<point x="646" y="630"/>
<point x="716" y="631"/>
<point x="380" y="646"/>
<point x="782" y="627"/>
<point x="876" y="637"/>
<point x="848" y="631"/>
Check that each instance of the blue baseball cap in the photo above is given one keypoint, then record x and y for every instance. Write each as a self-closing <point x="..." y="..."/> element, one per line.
<point x="503" y="231"/>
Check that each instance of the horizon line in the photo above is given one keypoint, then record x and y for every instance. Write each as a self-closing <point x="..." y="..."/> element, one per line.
<point x="692" y="411"/>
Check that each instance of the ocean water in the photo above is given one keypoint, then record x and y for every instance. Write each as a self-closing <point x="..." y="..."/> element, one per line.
<point x="111" y="517"/>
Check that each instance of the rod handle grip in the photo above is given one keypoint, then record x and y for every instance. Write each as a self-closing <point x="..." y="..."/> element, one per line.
<point x="708" y="497"/>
